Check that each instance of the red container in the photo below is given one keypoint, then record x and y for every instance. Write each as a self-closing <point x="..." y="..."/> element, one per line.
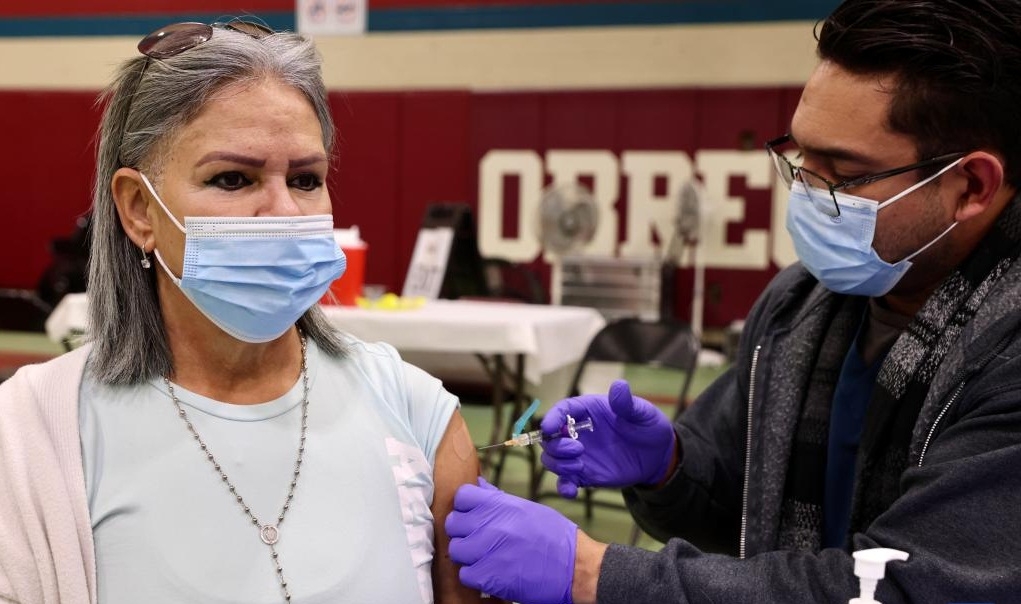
<point x="349" y="286"/>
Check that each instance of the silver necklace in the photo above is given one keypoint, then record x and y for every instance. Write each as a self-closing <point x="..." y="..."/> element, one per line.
<point x="269" y="533"/>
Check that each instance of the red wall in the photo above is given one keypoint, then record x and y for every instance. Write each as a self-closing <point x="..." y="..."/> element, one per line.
<point x="400" y="151"/>
<point x="397" y="153"/>
<point x="46" y="164"/>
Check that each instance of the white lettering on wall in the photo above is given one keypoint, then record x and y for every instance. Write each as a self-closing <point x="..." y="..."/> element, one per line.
<point x="647" y="212"/>
<point x="782" y="246"/>
<point x="717" y="167"/>
<point x="527" y="166"/>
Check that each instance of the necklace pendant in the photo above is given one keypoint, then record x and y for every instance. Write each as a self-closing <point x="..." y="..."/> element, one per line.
<point x="269" y="534"/>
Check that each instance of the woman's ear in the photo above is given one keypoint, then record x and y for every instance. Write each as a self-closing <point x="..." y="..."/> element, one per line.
<point x="132" y="206"/>
<point x="983" y="173"/>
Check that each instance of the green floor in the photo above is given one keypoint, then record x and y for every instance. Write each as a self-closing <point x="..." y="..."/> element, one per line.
<point x="19" y="348"/>
<point x="28" y="342"/>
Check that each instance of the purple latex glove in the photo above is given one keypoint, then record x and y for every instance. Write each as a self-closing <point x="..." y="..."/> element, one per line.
<point x="511" y="547"/>
<point x="632" y="441"/>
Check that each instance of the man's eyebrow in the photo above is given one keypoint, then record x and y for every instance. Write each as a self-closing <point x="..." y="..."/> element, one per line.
<point x="833" y="153"/>
<point x="231" y="157"/>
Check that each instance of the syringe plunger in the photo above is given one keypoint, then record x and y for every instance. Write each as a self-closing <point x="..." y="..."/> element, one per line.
<point x="569" y="429"/>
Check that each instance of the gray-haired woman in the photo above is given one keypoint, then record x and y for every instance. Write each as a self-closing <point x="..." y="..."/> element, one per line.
<point x="218" y="440"/>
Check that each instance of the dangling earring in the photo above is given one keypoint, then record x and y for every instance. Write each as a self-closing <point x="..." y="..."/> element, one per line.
<point x="145" y="259"/>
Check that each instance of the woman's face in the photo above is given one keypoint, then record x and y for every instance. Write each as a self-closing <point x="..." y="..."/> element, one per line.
<point x="255" y="149"/>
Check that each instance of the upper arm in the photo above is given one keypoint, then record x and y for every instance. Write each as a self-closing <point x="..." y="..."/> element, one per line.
<point x="456" y="464"/>
<point x="431" y="415"/>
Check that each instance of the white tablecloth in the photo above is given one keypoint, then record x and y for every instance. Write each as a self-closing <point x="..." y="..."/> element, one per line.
<point x="69" y="317"/>
<point x="549" y="338"/>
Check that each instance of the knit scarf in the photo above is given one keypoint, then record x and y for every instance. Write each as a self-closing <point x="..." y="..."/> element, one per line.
<point x="900" y="391"/>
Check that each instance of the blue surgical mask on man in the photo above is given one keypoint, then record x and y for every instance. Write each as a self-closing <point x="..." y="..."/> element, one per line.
<point x="254" y="277"/>
<point x="838" y="250"/>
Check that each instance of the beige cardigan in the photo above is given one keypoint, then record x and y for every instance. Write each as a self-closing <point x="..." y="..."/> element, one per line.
<point x="46" y="550"/>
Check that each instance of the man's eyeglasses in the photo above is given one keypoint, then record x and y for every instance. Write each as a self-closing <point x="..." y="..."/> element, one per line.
<point x="816" y="184"/>
<point x="173" y="39"/>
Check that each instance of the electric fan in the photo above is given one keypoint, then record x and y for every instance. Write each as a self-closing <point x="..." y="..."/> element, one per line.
<point x="568" y="218"/>
<point x="691" y="206"/>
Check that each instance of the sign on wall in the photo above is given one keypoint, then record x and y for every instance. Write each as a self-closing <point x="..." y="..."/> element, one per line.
<point x="428" y="262"/>
<point x="331" y="17"/>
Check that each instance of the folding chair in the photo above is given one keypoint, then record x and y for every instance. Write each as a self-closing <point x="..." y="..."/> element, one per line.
<point x="508" y="280"/>
<point x="633" y="341"/>
<point x="22" y="310"/>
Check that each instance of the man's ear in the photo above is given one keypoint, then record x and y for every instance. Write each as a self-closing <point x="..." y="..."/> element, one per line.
<point x="983" y="173"/>
<point x="132" y="206"/>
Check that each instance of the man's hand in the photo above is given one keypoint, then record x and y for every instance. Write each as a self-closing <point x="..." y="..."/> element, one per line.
<point x="632" y="442"/>
<point x="511" y="547"/>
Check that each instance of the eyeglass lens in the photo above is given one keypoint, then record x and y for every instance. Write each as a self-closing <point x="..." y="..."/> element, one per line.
<point x="817" y="188"/>
<point x="255" y="30"/>
<point x="176" y="38"/>
<point x="819" y="192"/>
<point x="783" y="167"/>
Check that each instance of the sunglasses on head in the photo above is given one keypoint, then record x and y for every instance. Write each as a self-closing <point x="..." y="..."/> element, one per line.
<point x="174" y="39"/>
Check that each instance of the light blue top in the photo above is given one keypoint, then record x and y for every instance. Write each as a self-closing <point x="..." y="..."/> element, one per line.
<point x="359" y="528"/>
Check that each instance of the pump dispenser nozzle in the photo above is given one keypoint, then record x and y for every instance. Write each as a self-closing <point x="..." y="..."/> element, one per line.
<point x="870" y="567"/>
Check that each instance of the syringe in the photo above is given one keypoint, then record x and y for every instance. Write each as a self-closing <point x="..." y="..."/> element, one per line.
<point x="535" y="437"/>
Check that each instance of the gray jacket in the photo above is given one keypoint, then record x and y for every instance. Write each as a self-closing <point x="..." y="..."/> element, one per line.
<point x="959" y="515"/>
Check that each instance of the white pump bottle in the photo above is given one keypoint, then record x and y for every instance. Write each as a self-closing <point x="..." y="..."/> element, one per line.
<point x="870" y="567"/>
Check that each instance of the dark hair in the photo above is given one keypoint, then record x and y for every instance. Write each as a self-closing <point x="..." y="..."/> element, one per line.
<point x="957" y="65"/>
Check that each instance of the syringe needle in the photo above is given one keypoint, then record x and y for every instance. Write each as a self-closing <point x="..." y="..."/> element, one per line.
<point x="492" y="446"/>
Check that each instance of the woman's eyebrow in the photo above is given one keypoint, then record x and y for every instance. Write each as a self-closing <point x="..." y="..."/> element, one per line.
<point x="306" y="161"/>
<point x="231" y="157"/>
<point x="256" y="162"/>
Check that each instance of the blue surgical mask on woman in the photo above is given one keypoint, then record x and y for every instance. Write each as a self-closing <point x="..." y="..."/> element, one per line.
<point x="838" y="250"/>
<point x="254" y="277"/>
